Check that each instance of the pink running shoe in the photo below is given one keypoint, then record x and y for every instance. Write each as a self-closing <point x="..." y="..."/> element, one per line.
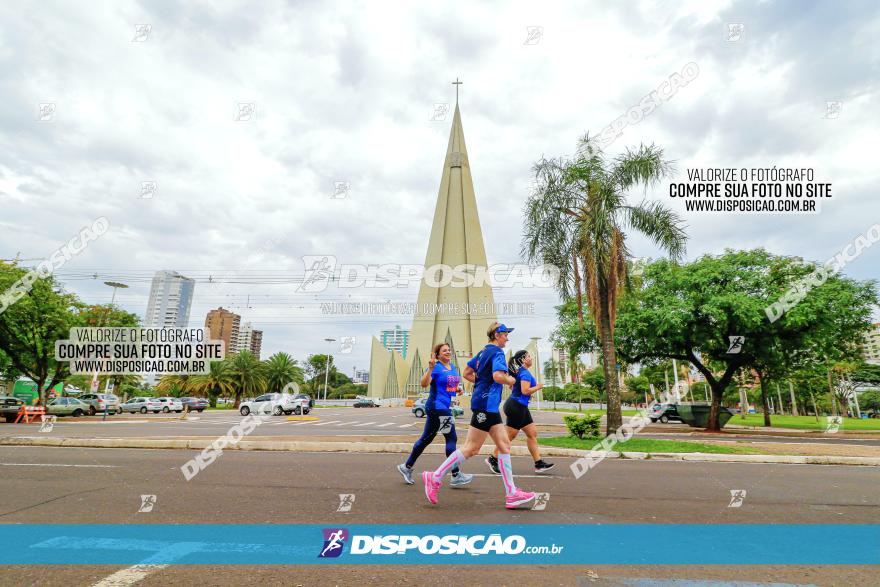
<point x="432" y="487"/>
<point x="515" y="500"/>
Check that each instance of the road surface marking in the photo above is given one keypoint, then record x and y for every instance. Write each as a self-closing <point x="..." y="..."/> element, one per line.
<point x="408" y="425"/>
<point x="330" y="422"/>
<point x="384" y="425"/>
<point x="58" y="465"/>
<point x="128" y="576"/>
<point x="366" y="423"/>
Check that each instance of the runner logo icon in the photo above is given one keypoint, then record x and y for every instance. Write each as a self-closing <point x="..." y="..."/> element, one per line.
<point x="334" y="541"/>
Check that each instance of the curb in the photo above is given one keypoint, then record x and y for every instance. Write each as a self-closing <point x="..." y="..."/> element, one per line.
<point x="404" y="448"/>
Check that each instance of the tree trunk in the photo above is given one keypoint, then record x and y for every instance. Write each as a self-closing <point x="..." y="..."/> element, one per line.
<point x="765" y="404"/>
<point x="815" y="409"/>
<point x="609" y="362"/>
<point x="715" y="409"/>
<point x="577" y="287"/>
<point x="794" y="408"/>
<point x="779" y="398"/>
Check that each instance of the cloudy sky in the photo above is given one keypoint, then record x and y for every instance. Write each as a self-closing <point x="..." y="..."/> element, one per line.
<point x="346" y="92"/>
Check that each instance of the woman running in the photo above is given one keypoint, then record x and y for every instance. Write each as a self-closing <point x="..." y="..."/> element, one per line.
<point x="444" y="379"/>
<point x="488" y="371"/>
<point x="516" y="408"/>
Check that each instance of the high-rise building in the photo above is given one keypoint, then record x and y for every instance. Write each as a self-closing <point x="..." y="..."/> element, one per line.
<point x="249" y="339"/>
<point x="171" y="296"/>
<point x="224" y="325"/>
<point x="563" y="375"/>
<point x="361" y="376"/>
<point x="871" y="346"/>
<point x="395" y="340"/>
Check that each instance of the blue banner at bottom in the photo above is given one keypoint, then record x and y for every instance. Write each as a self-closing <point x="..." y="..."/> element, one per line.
<point x="284" y="544"/>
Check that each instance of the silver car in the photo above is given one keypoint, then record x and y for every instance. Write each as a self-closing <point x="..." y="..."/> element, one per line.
<point x="67" y="406"/>
<point x="171" y="404"/>
<point x="98" y="402"/>
<point x="275" y="404"/>
<point x="142" y="405"/>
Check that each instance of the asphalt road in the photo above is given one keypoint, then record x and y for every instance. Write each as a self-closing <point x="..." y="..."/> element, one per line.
<point x="46" y="485"/>
<point x="346" y="422"/>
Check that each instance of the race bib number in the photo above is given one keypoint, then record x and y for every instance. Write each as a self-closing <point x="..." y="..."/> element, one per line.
<point x="452" y="384"/>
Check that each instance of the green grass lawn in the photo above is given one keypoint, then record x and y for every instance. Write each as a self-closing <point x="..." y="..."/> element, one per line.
<point x="649" y="445"/>
<point x="805" y="422"/>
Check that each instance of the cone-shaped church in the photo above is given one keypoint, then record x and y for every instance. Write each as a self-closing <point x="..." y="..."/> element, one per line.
<point x="456" y="239"/>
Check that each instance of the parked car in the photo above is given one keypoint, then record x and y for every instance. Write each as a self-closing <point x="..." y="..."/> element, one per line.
<point x="98" y="402"/>
<point x="171" y="404"/>
<point x="67" y="406"/>
<point x="365" y="402"/>
<point x="664" y="413"/>
<point x="9" y="407"/>
<point x="308" y="397"/>
<point x="275" y="404"/>
<point x="419" y="409"/>
<point x="142" y="405"/>
<point x="196" y="404"/>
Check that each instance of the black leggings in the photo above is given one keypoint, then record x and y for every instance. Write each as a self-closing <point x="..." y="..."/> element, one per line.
<point x="435" y="420"/>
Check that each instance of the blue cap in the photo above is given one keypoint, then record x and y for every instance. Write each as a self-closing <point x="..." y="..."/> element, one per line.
<point x="503" y="328"/>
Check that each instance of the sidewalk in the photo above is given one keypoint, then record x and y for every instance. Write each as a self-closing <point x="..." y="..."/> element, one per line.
<point x="391" y="444"/>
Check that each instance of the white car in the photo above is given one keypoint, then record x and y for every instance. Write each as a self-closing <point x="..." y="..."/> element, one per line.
<point x="171" y="404"/>
<point x="276" y="404"/>
<point x="142" y="405"/>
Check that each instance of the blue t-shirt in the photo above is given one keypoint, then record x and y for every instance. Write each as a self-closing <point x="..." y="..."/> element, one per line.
<point x="516" y="393"/>
<point x="444" y="384"/>
<point x="487" y="393"/>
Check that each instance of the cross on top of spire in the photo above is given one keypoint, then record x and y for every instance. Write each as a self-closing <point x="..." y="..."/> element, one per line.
<point x="456" y="83"/>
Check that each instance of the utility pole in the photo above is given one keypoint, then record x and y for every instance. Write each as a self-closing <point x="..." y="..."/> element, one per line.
<point x="327" y="368"/>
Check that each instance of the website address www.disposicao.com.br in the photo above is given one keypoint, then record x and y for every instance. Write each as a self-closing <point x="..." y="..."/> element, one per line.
<point x="431" y="544"/>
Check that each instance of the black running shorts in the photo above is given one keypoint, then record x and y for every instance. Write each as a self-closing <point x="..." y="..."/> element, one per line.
<point x="518" y="415"/>
<point x="485" y="420"/>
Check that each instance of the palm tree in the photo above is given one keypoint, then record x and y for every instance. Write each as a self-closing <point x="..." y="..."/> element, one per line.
<point x="174" y="385"/>
<point x="578" y="210"/>
<point x="214" y="383"/>
<point x="280" y="369"/>
<point x="246" y="375"/>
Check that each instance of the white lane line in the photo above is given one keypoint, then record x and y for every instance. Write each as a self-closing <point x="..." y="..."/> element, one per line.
<point x="58" y="465"/>
<point x="330" y="422"/>
<point x="408" y="425"/>
<point x="302" y="423"/>
<point x="384" y="425"/>
<point x="344" y="423"/>
<point x="365" y="424"/>
<point x="128" y="576"/>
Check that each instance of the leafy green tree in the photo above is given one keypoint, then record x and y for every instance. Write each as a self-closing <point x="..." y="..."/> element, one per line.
<point x="216" y="382"/>
<point x="690" y="313"/>
<point x="579" y="210"/>
<point x="247" y="375"/>
<point x="30" y="326"/>
<point x="281" y="369"/>
<point x="870" y="401"/>
<point x="315" y="372"/>
<point x="175" y="385"/>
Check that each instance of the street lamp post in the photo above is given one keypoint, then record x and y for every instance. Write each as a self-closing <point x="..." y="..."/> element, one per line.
<point x="94" y="385"/>
<point x="327" y="368"/>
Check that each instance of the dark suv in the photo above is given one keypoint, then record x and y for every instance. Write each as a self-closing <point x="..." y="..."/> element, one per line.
<point x="664" y="413"/>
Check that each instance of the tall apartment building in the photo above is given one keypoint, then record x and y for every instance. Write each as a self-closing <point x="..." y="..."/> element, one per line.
<point x="871" y="346"/>
<point x="224" y="325"/>
<point x="171" y="296"/>
<point x="361" y="376"/>
<point x="396" y="340"/>
<point x="250" y="339"/>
